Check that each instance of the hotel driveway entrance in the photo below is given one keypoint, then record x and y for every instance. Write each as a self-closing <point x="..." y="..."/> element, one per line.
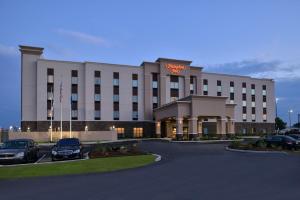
<point x="183" y="119"/>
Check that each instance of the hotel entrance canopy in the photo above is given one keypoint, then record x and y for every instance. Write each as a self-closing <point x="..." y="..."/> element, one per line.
<point x="195" y="109"/>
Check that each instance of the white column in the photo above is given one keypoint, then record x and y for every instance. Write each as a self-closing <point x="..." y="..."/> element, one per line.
<point x="179" y="128"/>
<point x="231" y="126"/>
<point x="192" y="127"/>
<point x="221" y="126"/>
<point x="157" y="128"/>
<point x="199" y="124"/>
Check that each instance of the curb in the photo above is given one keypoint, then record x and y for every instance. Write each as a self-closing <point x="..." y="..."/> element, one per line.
<point x="49" y="162"/>
<point x="253" y="151"/>
<point x="158" y="157"/>
<point x="208" y="141"/>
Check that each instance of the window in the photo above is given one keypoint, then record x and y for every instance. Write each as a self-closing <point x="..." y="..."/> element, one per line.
<point x="116" y="79"/>
<point x="74" y="114"/>
<point x="231" y="96"/>
<point x="50" y="71"/>
<point x="97" y="74"/>
<point x="116" y="98"/>
<point x="264" y="99"/>
<point x="253" y="104"/>
<point x="244" y="117"/>
<point x="244" y="103"/>
<point x="50" y="79"/>
<point x="134" y="83"/>
<point x="74" y="97"/>
<point x="115" y="82"/>
<point x="205" y="86"/>
<point x="120" y="131"/>
<point x="135" y="91"/>
<point x="231" y="84"/>
<point x="265" y="118"/>
<point x="97" y="97"/>
<point x="116" y="115"/>
<point x="74" y="79"/>
<point x="97" y="89"/>
<point x="97" y="81"/>
<point x="253" y="110"/>
<point x="50" y="96"/>
<point x="134" y="80"/>
<point x="231" y="89"/>
<point x="252" y="97"/>
<point x="264" y="104"/>
<point x="137" y="132"/>
<point x="154" y="99"/>
<point x="97" y="115"/>
<point x="135" y="99"/>
<point x="264" y="110"/>
<point x="219" y="88"/>
<point x="174" y="85"/>
<point x="244" y="97"/>
<point x="244" y="109"/>
<point x="135" y="115"/>
<point x="154" y="84"/>
<point x="253" y="117"/>
<point x="74" y="89"/>
<point x="244" y="90"/>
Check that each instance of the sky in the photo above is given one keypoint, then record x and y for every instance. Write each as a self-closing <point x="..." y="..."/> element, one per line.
<point x="256" y="38"/>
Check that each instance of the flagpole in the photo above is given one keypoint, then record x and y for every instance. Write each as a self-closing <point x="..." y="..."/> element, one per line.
<point x="71" y="116"/>
<point x="61" y="87"/>
<point x="51" y="126"/>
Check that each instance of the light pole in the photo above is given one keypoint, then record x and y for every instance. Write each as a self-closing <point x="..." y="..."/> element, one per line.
<point x="276" y="102"/>
<point x="290" y="111"/>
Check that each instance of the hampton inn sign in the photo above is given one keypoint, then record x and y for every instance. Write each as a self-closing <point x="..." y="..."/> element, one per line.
<point x="175" y="68"/>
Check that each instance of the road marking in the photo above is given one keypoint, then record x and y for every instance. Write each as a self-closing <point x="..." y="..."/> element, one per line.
<point x="41" y="158"/>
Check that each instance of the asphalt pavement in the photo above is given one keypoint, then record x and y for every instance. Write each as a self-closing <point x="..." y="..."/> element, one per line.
<point x="186" y="171"/>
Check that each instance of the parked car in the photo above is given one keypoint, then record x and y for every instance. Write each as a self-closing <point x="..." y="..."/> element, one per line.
<point x="67" y="148"/>
<point x="282" y="140"/>
<point x="295" y="136"/>
<point x="18" y="151"/>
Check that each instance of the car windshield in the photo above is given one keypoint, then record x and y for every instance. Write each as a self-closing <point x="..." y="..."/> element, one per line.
<point x="14" y="144"/>
<point x="68" y="142"/>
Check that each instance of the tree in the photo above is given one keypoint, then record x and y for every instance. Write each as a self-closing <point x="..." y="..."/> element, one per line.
<point x="297" y="125"/>
<point x="279" y="124"/>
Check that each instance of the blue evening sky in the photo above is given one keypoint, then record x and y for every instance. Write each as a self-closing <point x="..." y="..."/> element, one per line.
<point x="257" y="38"/>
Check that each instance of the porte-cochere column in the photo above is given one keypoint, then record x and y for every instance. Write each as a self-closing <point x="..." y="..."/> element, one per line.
<point x="192" y="127"/>
<point x="158" y="129"/>
<point x="179" y="128"/>
<point x="221" y="126"/>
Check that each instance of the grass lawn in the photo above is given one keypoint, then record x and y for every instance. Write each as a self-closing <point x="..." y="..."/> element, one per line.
<point x="76" y="167"/>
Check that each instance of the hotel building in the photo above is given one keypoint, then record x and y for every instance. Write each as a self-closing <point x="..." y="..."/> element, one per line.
<point x="164" y="98"/>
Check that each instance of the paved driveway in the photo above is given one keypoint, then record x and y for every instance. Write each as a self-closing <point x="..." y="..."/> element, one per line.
<point x="187" y="171"/>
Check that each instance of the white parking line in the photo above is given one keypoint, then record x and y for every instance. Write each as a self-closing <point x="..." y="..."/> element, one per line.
<point x="41" y="158"/>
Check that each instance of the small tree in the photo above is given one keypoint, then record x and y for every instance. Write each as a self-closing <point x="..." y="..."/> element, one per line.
<point x="279" y="123"/>
<point x="297" y="125"/>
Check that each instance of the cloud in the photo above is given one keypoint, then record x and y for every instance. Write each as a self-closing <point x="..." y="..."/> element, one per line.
<point x="273" y="69"/>
<point x="84" y="37"/>
<point x="8" y="50"/>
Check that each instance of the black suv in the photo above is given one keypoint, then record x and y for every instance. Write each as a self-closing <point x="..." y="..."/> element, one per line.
<point x="67" y="148"/>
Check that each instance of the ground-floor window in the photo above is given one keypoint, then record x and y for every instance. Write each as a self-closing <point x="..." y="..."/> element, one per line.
<point x="120" y="131"/>
<point x="138" y="132"/>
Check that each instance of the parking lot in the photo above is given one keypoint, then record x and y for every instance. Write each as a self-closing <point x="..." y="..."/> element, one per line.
<point x="186" y="171"/>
